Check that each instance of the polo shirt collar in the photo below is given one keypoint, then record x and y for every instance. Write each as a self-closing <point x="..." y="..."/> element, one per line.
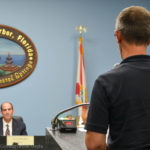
<point x="135" y="58"/>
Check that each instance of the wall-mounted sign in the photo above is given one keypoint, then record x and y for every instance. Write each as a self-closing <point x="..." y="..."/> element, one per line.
<point x="18" y="56"/>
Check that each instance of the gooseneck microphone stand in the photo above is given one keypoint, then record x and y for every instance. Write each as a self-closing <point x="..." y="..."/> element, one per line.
<point x="54" y="122"/>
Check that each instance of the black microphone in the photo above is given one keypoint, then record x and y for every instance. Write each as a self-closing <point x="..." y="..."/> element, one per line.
<point x="54" y="122"/>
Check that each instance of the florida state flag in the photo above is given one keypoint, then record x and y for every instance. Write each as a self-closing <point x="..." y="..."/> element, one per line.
<point x="81" y="90"/>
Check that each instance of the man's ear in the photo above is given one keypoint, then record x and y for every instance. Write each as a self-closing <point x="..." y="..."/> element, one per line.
<point x="118" y="36"/>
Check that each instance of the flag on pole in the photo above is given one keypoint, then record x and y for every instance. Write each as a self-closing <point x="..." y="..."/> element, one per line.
<point x="81" y="89"/>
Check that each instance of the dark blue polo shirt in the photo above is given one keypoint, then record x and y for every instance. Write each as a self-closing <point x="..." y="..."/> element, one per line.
<point x="120" y="101"/>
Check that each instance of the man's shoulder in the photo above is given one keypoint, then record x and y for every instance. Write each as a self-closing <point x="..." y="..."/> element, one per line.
<point x="114" y="73"/>
<point x="18" y="122"/>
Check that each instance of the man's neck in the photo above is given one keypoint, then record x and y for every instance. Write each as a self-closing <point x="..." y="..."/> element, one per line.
<point x="128" y="50"/>
<point x="7" y="121"/>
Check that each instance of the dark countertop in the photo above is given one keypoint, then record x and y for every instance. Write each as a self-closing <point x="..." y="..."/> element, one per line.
<point x="68" y="141"/>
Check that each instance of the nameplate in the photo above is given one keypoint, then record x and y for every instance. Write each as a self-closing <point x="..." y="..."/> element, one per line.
<point x="20" y="140"/>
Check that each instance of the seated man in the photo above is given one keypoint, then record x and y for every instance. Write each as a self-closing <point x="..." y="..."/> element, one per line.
<point x="9" y="125"/>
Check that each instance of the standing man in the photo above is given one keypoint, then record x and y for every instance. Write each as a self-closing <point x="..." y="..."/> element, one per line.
<point x="9" y="125"/>
<point x="120" y="99"/>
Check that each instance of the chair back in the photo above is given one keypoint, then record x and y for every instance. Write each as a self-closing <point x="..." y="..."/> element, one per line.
<point x="18" y="118"/>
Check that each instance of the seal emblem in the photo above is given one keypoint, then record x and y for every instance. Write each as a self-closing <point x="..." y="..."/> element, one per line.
<point x="18" y="56"/>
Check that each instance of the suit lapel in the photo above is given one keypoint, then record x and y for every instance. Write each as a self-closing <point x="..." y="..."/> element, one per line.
<point x="1" y="127"/>
<point x="13" y="127"/>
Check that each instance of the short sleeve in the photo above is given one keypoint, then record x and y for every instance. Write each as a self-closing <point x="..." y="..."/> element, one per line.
<point x="98" y="115"/>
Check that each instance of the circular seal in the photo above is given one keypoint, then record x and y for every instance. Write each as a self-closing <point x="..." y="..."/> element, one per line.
<point x="18" y="56"/>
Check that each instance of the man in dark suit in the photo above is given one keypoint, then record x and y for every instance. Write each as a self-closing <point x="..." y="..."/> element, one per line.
<point x="8" y="124"/>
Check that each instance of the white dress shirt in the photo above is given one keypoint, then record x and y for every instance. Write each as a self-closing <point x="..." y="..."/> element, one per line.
<point x="5" y="127"/>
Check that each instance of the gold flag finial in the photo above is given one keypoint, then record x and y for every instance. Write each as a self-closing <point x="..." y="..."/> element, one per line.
<point x="81" y="29"/>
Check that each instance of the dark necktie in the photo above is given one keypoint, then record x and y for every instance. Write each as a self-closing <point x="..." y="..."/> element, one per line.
<point x="7" y="130"/>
